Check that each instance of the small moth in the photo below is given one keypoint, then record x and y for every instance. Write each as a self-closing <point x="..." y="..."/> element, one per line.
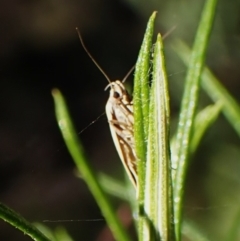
<point x="119" y="111"/>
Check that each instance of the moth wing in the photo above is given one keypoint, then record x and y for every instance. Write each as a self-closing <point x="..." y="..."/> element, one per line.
<point x="124" y="150"/>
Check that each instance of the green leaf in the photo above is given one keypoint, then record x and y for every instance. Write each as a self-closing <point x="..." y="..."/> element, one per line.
<point x="214" y="89"/>
<point x="181" y="153"/>
<point x="158" y="190"/>
<point x="58" y="234"/>
<point x="8" y="215"/>
<point x="114" y="187"/>
<point x="76" y="150"/>
<point x="141" y="103"/>
<point x="61" y="234"/>
<point x="204" y="119"/>
<point x="141" y="109"/>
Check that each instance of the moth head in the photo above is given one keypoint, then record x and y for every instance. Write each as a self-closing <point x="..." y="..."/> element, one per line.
<point x="118" y="90"/>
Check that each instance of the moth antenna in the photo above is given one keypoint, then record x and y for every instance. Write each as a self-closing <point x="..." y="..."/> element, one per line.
<point x="91" y="57"/>
<point x="128" y="73"/>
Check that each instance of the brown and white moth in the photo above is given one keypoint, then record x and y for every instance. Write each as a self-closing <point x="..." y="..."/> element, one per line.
<point x="119" y="111"/>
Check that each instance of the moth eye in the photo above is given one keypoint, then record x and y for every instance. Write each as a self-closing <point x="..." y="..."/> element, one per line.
<point x="116" y="95"/>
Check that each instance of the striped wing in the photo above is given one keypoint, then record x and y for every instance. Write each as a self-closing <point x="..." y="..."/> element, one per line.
<point x="119" y="110"/>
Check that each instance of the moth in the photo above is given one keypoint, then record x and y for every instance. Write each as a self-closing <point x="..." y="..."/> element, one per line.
<point x="119" y="111"/>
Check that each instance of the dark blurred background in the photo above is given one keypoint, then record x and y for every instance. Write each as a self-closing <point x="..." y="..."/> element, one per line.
<point x="40" y="50"/>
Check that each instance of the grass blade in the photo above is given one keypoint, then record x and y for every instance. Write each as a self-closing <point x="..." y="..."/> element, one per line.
<point x="8" y="215"/>
<point x="158" y="190"/>
<point x="214" y="89"/>
<point x="141" y="101"/>
<point x="188" y="108"/>
<point x="141" y="109"/>
<point x="204" y="119"/>
<point x="75" y="148"/>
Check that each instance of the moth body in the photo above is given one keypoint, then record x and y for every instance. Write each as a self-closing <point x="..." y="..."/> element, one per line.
<point x="119" y="110"/>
